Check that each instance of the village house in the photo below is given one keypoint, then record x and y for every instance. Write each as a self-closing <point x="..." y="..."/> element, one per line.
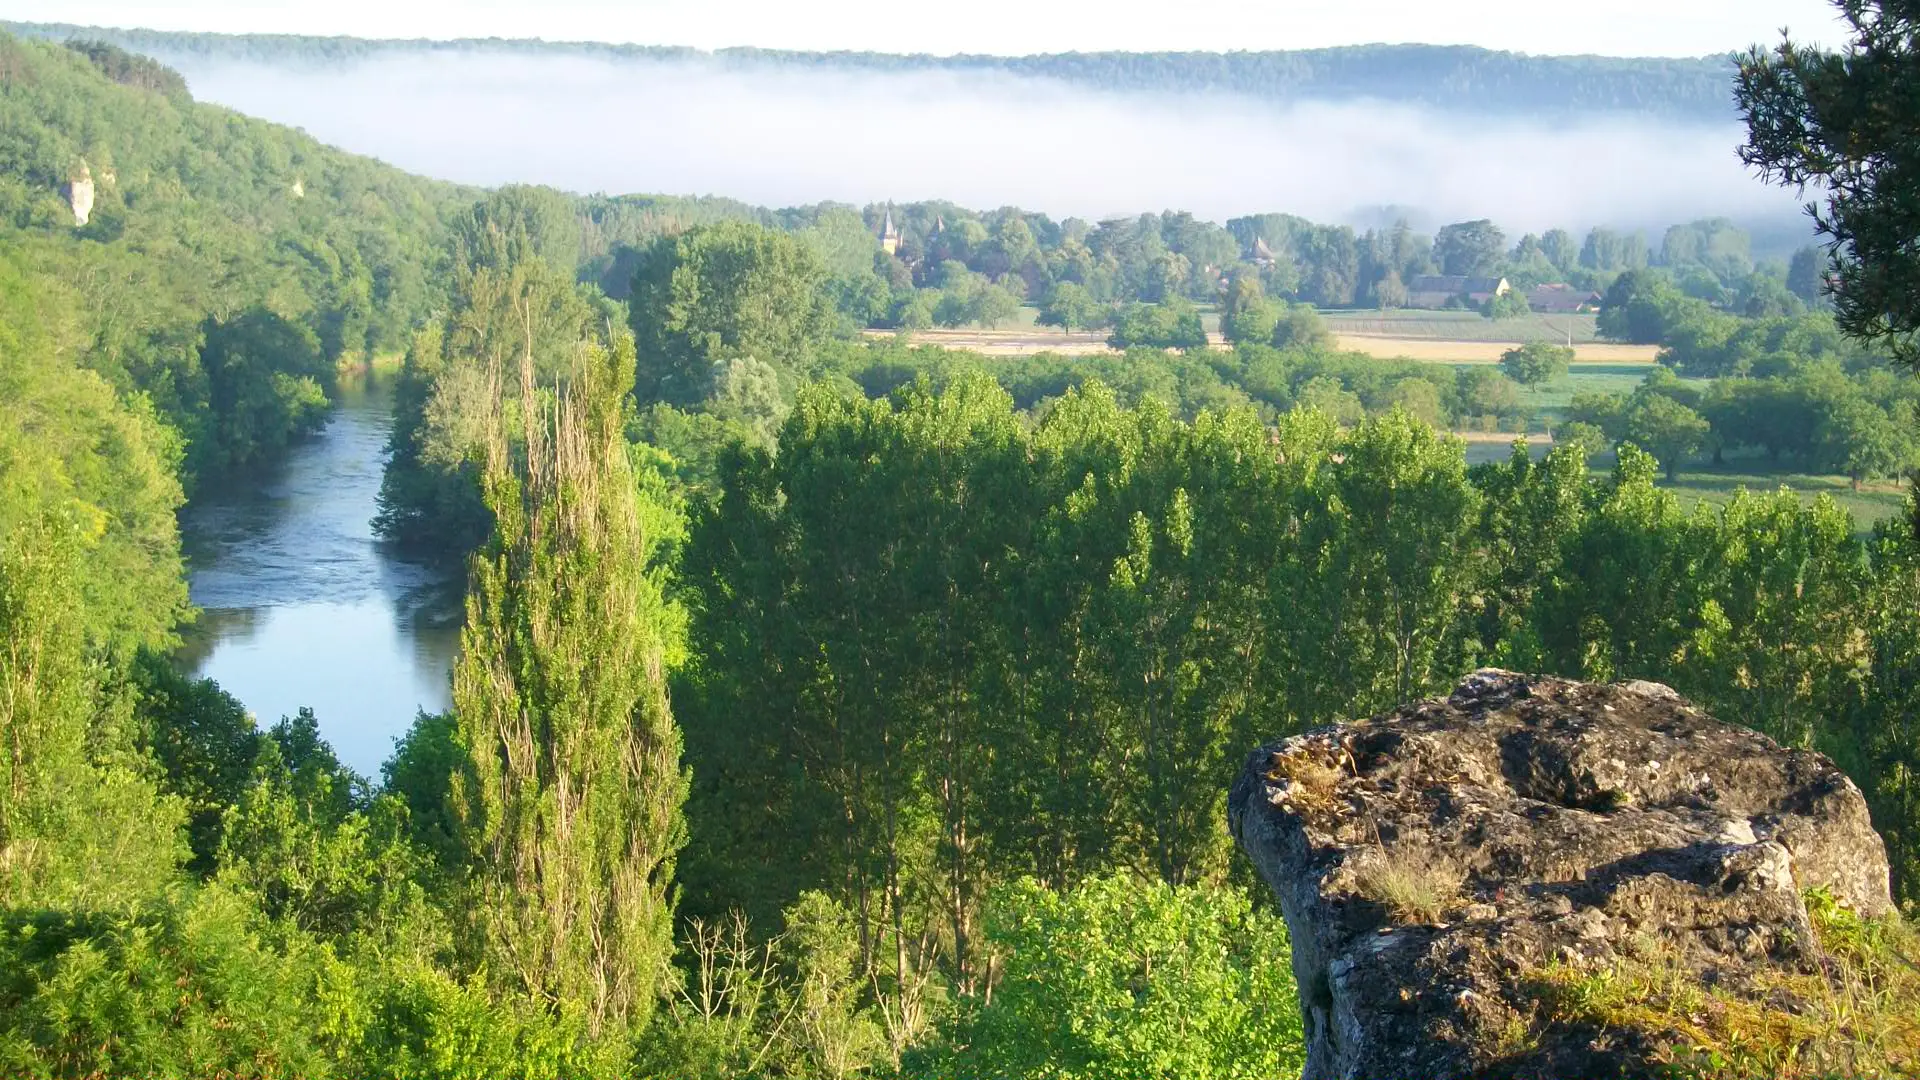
<point x="1432" y="292"/>
<point x="1562" y="300"/>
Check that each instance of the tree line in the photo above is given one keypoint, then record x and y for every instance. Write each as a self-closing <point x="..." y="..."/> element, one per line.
<point x="732" y="318"/>
<point x="1462" y="78"/>
<point x="1790" y="387"/>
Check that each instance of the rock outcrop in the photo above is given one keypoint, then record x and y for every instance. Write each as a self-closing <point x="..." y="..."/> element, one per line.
<point x="1431" y="862"/>
<point x="80" y="195"/>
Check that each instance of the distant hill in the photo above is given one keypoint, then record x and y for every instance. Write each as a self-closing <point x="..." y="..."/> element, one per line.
<point x="1459" y="78"/>
<point x="215" y="264"/>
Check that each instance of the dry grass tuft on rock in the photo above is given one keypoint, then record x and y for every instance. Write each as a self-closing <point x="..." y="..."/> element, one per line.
<point x="1414" y="884"/>
<point x="1312" y="781"/>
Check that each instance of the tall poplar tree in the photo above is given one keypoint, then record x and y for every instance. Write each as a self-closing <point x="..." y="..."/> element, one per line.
<point x="571" y="812"/>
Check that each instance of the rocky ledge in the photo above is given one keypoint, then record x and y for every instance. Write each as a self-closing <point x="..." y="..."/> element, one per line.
<point x="1433" y="862"/>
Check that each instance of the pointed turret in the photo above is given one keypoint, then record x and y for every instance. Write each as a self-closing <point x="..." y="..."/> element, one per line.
<point x="889" y="233"/>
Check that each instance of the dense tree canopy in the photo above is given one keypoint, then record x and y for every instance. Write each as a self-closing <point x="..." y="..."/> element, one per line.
<point x="727" y="292"/>
<point x="214" y="242"/>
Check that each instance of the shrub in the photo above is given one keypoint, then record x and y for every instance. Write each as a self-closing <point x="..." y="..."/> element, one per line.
<point x="185" y="989"/>
<point x="1121" y="977"/>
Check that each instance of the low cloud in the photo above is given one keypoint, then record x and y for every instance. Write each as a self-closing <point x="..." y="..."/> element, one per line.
<point x="782" y="137"/>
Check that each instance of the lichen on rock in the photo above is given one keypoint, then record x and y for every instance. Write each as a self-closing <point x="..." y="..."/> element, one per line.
<point x="1432" y="862"/>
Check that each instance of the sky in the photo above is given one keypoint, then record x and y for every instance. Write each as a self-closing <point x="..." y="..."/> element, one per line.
<point x="1005" y="27"/>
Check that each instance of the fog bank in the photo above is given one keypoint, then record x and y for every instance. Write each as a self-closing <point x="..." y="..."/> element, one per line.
<point x="787" y="137"/>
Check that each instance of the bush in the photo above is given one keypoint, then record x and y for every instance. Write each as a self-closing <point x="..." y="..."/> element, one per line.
<point x="1301" y="327"/>
<point x="1120" y="977"/>
<point x="1172" y="325"/>
<point x="1508" y="305"/>
<point x="187" y="989"/>
<point x="1588" y="438"/>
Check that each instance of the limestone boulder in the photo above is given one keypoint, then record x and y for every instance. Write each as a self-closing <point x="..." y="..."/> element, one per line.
<point x="1433" y="861"/>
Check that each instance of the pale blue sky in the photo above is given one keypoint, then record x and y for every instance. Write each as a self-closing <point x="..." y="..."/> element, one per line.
<point x="1619" y="28"/>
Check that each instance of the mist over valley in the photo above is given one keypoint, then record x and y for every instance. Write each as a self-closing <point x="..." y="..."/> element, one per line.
<point x="1437" y="135"/>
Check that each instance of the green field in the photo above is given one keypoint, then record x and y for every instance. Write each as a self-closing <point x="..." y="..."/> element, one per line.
<point x="1716" y="485"/>
<point x="1713" y="485"/>
<point x="1462" y="326"/>
<point x="1702" y="482"/>
<point x="1549" y="401"/>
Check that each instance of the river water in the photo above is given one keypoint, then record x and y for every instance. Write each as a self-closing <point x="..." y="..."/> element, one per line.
<point x="302" y="606"/>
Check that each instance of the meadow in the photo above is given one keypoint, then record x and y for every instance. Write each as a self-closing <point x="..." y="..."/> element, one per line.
<point x="1438" y="351"/>
<point x="1715" y="485"/>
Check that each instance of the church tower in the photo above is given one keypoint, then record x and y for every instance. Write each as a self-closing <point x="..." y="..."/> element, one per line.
<point x="889" y="233"/>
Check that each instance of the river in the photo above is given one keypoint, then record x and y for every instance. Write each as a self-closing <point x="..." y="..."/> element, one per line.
<point x="302" y="606"/>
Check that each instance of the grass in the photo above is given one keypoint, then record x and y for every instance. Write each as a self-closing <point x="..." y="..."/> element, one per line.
<point x="1859" y="1016"/>
<point x="1716" y="486"/>
<point x="1414" y="884"/>
<point x="1313" y="782"/>
<point x="1554" y="397"/>
<point x="1436" y="351"/>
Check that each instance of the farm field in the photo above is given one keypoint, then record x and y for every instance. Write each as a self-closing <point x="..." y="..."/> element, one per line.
<point x="1007" y="341"/>
<point x="1464" y="337"/>
<point x="1440" y="337"/>
<point x="1463" y="326"/>
<point x="1551" y="399"/>
<point x="1436" y="351"/>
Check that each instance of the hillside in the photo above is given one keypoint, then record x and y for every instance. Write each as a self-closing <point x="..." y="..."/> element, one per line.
<point x="1456" y="78"/>
<point x="218" y="264"/>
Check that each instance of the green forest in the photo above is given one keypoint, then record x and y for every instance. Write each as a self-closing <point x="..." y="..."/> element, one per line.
<point x="828" y="705"/>
<point x="1447" y="76"/>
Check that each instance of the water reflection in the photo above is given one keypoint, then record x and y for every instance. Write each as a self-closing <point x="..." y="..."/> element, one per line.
<point x="301" y="605"/>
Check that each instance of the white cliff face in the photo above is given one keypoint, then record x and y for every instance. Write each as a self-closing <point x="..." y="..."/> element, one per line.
<point x="80" y="194"/>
